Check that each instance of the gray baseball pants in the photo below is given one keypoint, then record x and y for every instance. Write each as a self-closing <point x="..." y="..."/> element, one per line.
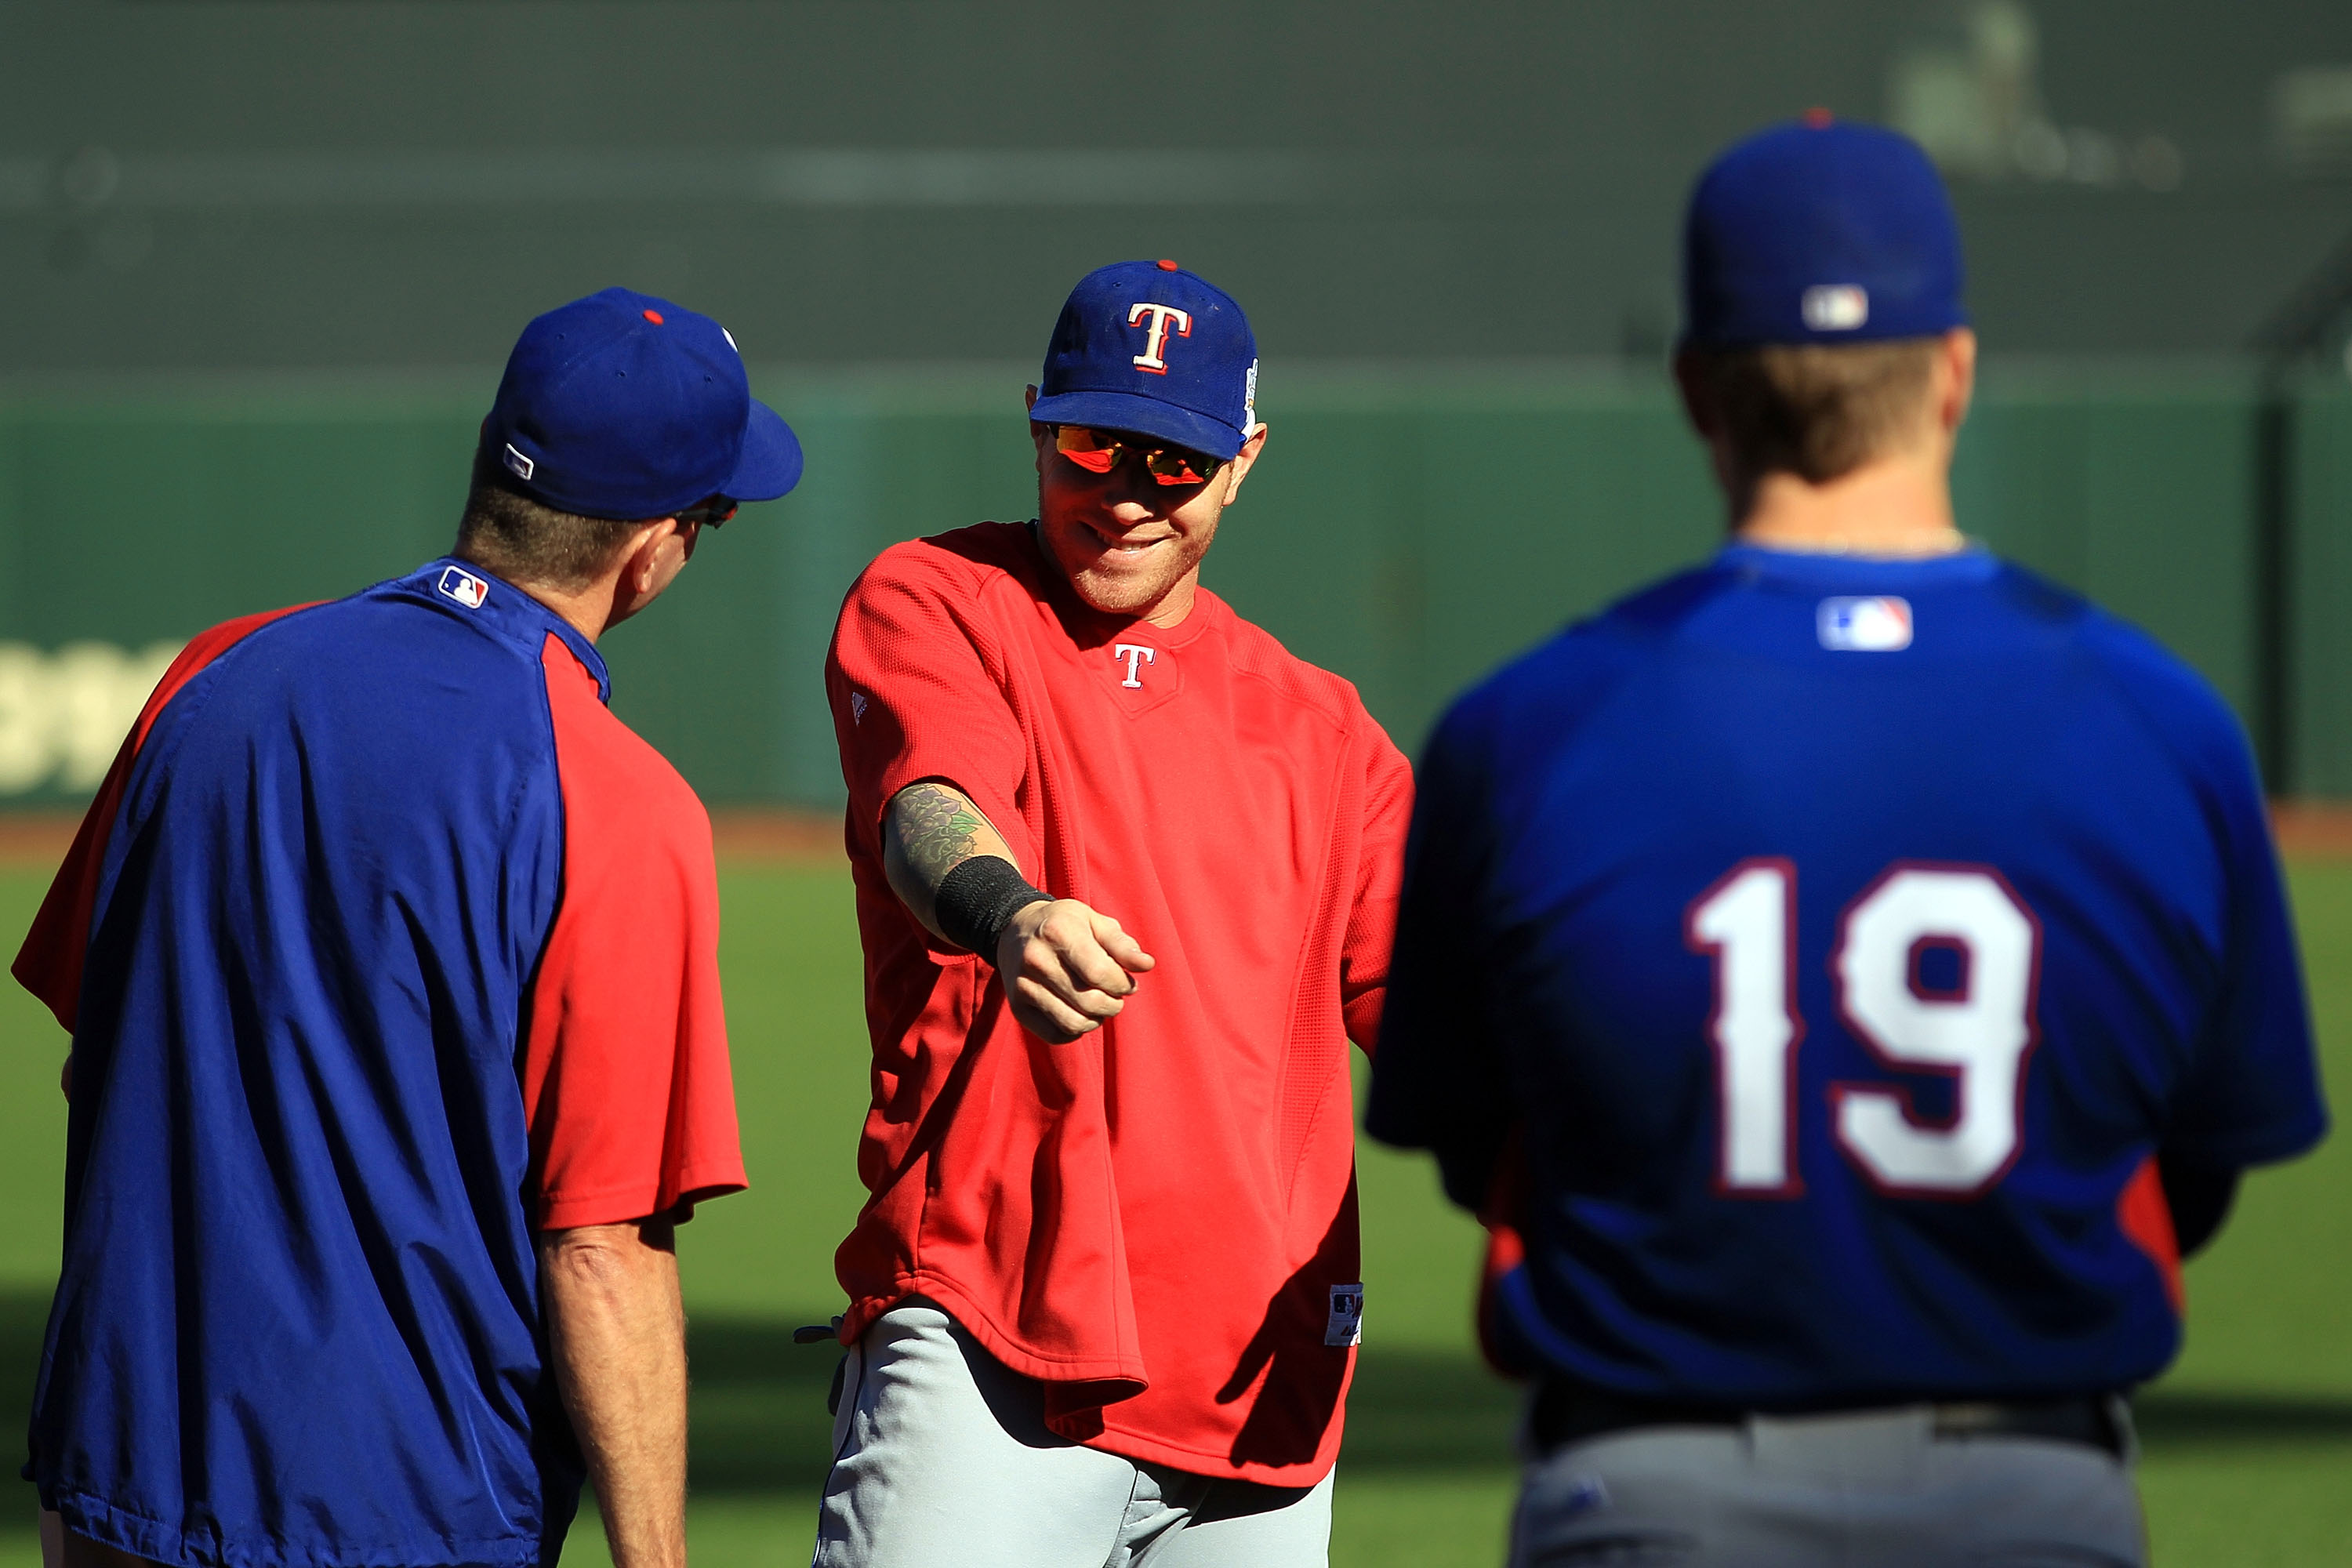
<point x="1880" y="1489"/>
<point x="941" y="1455"/>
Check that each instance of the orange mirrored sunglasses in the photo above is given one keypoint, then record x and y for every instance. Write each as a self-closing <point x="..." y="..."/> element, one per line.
<point x="1099" y="451"/>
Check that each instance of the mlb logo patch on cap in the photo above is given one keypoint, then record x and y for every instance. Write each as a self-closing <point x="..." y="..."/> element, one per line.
<point x="1880" y="625"/>
<point x="1836" y="307"/>
<point x="462" y="586"/>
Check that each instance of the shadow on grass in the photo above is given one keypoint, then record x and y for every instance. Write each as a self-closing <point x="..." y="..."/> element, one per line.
<point x="760" y="1421"/>
<point x="2175" y="1419"/>
<point x="23" y="1318"/>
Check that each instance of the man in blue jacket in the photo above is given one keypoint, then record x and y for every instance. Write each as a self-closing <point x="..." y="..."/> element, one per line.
<point x="391" y="960"/>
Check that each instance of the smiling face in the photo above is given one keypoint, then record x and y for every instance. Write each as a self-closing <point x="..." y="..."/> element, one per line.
<point x="1128" y="544"/>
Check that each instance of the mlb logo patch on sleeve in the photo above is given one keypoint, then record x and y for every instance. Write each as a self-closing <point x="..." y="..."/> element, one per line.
<point x="1879" y="625"/>
<point x="1345" y="1326"/>
<point x="462" y="586"/>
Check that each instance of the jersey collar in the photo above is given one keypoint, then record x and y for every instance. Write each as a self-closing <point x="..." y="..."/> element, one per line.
<point x="506" y="610"/>
<point x="1817" y="569"/>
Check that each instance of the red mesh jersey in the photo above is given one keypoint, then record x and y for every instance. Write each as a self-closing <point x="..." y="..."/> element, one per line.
<point x="1154" y="1219"/>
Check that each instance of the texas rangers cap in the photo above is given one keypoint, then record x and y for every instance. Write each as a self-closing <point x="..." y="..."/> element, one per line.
<point x="1148" y="347"/>
<point x="622" y="405"/>
<point x="1820" y="232"/>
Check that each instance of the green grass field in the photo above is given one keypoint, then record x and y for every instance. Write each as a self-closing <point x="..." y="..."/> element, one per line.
<point x="2248" y="1443"/>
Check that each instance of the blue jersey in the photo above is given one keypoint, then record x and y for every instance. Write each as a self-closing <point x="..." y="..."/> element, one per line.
<point x="1808" y="957"/>
<point x="383" y="946"/>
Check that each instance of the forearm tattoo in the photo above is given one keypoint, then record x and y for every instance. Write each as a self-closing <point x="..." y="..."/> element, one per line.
<point x="935" y="826"/>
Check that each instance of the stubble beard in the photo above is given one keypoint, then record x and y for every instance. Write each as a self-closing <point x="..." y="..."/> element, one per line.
<point x="1127" y="593"/>
<point x="1115" y="591"/>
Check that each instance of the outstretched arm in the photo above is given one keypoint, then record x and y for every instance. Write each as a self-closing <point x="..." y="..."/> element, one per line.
<point x="1067" y="967"/>
<point x="931" y="830"/>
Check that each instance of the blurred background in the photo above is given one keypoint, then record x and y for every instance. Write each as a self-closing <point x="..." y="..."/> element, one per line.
<point x="260" y="264"/>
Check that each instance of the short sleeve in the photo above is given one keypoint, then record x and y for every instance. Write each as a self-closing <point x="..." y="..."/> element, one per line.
<point x="1371" y="920"/>
<point x="915" y="680"/>
<point x="2249" y="1093"/>
<point x="1438" y="1078"/>
<point x="625" y="1076"/>
<point x="2252" y="1094"/>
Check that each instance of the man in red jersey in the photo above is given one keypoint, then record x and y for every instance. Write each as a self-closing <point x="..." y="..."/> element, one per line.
<point x="1125" y="871"/>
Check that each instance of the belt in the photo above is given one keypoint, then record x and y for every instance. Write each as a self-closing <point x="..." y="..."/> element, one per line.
<point x="1564" y="1411"/>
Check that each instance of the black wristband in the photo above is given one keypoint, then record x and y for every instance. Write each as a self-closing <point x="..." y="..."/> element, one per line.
<point x="977" y="897"/>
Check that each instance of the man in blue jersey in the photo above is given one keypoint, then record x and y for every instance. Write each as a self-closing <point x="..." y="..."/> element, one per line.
<point x="391" y="960"/>
<point x="1845" y="975"/>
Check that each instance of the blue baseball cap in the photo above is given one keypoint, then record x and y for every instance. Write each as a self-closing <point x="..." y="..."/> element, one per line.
<point x="622" y="405"/>
<point x="1148" y="347"/>
<point x="1820" y="232"/>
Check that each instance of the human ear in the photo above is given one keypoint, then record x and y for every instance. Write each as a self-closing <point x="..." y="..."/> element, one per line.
<point x="1698" y="402"/>
<point x="1958" y="375"/>
<point x="1705" y="417"/>
<point x="644" y="557"/>
<point x="1238" y="469"/>
<point x="1036" y="431"/>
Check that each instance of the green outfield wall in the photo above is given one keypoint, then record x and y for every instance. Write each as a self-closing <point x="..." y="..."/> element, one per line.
<point x="2318" y="571"/>
<point x="1408" y="528"/>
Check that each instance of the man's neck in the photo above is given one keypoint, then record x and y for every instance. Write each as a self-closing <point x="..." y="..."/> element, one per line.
<point x="588" y="610"/>
<point x="1177" y="602"/>
<point x="1899" y="507"/>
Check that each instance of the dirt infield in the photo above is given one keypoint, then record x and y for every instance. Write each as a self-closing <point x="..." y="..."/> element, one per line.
<point x="2313" y="830"/>
<point x="813" y="837"/>
<point x="35" y="837"/>
<point x="2307" y="830"/>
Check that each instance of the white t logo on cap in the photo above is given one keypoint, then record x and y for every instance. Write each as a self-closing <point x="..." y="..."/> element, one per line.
<point x="1161" y="315"/>
<point x="1835" y="307"/>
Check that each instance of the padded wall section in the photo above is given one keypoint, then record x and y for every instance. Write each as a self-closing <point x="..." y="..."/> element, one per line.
<point x="1409" y="528"/>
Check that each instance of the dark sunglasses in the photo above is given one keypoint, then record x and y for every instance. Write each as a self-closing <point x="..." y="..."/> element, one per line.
<point x="709" y="513"/>
<point x="1099" y="451"/>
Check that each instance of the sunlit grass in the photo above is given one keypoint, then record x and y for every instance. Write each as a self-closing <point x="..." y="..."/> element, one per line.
<point x="2250" y="1440"/>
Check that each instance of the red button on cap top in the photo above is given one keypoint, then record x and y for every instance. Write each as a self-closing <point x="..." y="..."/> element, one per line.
<point x="1817" y="118"/>
<point x="655" y="317"/>
<point x="1166" y="264"/>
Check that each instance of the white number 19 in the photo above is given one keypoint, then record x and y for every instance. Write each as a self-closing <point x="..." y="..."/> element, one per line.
<point x="1979" y="1030"/>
